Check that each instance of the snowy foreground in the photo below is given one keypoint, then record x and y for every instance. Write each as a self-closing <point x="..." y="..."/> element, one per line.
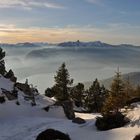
<point x="24" y="122"/>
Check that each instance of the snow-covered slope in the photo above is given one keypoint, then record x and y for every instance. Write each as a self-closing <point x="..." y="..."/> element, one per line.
<point x="6" y="84"/>
<point x="134" y="115"/>
<point x="25" y="122"/>
<point x="10" y="109"/>
<point x="27" y="128"/>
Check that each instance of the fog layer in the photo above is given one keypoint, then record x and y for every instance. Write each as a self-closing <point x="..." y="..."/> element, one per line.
<point x="84" y="63"/>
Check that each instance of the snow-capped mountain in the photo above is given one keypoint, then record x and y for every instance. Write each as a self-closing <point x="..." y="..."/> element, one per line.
<point x="91" y="44"/>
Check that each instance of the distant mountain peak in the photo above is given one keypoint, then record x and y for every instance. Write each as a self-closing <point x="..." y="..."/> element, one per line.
<point x="83" y="44"/>
<point x="91" y="44"/>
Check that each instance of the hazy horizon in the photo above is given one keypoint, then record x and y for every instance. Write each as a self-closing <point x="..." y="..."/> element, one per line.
<point x="54" y="21"/>
<point x="40" y="64"/>
<point x="55" y="43"/>
<point x="115" y="22"/>
<point x="96" y="38"/>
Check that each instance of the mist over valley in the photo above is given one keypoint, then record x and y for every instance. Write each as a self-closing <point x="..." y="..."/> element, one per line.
<point x="39" y="62"/>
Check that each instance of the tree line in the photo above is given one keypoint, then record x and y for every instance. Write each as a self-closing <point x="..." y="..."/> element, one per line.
<point x="95" y="99"/>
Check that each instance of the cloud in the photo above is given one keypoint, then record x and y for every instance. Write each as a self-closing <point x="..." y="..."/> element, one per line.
<point x="5" y="26"/>
<point x="115" y="33"/>
<point x="96" y="2"/>
<point x="30" y="4"/>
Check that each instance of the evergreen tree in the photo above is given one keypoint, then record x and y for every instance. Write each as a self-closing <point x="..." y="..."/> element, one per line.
<point x="62" y="83"/>
<point x="137" y="92"/>
<point x="95" y="97"/>
<point x="129" y="90"/>
<point x="103" y="96"/>
<point x="2" y="54"/>
<point x="2" y="63"/>
<point x="117" y="96"/>
<point x="77" y="94"/>
<point x="94" y="92"/>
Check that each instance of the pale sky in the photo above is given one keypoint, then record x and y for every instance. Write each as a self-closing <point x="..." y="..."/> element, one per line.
<point x="111" y="21"/>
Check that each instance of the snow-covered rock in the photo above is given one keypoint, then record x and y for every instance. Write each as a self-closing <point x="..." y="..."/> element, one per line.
<point x="5" y="84"/>
<point x="11" y="109"/>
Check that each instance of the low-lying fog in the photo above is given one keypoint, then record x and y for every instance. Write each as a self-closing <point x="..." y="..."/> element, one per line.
<point x="39" y="64"/>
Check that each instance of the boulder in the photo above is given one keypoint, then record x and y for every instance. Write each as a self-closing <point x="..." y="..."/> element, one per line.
<point x="9" y="95"/>
<point x="133" y="100"/>
<point x="2" y="67"/>
<point x="17" y="103"/>
<point x="68" y="109"/>
<point x="13" y="79"/>
<point x="46" y="108"/>
<point x="24" y="87"/>
<point x="10" y="75"/>
<point x="78" y="120"/>
<point x="51" y="134"/>
<point x="111" y="121"/>
<point x="2" y="99"/>
<point x="137" y="137"/>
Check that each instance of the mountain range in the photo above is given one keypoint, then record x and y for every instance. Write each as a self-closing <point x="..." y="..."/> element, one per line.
<point x="66" y="44"/>
<point x="25" y="44"/>
<point x="92" y="44"/>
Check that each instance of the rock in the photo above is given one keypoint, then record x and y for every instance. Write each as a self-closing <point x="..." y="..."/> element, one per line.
<point x="17" y="103"/>
<point x="2" y="67"/>
<point x="24" y="87"/>
<point x="133" y="100"/>
<point x="111" y="121"/>
<point x="9" y="95"/>
<point x="137" y="137"/>
<point x="68" y="109"/>
<point x="13" y="79"/>
<point x="51" y="134"/>
<point x="78" y="120"/>
<point x="46" y="108"/>
<point x="10" y="75"/>
<point x="2" y="99"/>
<point x="33" y="104"/>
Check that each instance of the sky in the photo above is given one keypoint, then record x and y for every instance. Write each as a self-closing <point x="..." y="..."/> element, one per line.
<point x="110" y="21"/>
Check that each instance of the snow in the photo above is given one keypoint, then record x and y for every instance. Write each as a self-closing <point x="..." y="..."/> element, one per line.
<point x="134" y="116"/>
<point x="11" y="109"/>
<point x="25" y="122"/>
<point x="5" y="84"/>
<point x="27" y="128"/>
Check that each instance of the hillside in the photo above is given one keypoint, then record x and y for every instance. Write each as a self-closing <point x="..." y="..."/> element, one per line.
<point x="25" y="123"/>
<point x="24" y="108"/>
<point x="133" y="77"/>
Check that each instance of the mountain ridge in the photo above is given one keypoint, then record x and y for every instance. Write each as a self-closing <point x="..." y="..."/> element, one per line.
<point x="92" y="44"/>
<point x="133" y="77"/>
<point x="67" y="44"/>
